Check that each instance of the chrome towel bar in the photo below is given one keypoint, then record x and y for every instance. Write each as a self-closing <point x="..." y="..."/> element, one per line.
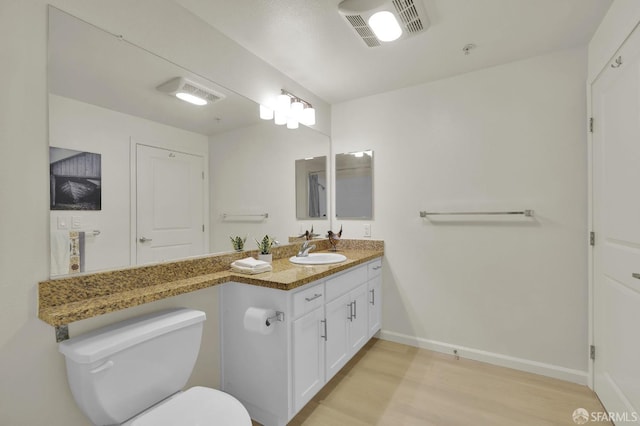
<point x="527" y="213"/>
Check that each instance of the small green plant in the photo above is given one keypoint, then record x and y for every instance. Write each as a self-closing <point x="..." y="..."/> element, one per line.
<point x="265" y="245"/>
<point x="238" y="243"/>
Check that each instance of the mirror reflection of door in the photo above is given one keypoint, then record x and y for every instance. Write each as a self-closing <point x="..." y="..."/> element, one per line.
<point x="170" y="205"/>
<point x="311" y="188"/>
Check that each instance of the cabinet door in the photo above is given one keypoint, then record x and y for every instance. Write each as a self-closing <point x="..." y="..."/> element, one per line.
<point x="308" y="357"/>
<point x="358" y="324"/>
<point x="337" y="344"/>
<point x="375" y="305"/>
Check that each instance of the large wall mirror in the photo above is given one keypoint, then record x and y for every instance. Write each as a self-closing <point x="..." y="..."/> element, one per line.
<point x="354" y="185"/>
<point x="171" y="179"/>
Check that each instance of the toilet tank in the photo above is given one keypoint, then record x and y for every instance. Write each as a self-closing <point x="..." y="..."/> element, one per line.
<point x="118" y="371"/>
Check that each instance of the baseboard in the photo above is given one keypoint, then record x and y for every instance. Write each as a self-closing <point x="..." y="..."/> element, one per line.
<point x="549" y="370"/>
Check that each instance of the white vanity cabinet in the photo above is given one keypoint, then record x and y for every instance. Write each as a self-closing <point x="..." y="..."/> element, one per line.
<point x="375" y="296"/>
<point x="326" y="322"/>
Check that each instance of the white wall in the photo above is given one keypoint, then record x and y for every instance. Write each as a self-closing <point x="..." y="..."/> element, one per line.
<point x="252" y="170"/>
<point x="85" y="127"/>
<point x="33" y="389"/>
<point x="510" y="291"/>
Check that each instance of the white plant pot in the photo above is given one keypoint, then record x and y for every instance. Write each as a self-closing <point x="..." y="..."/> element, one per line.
<point x="266" y="257"/>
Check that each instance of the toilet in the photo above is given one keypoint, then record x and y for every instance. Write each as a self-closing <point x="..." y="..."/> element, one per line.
<point x="132" y="373"/>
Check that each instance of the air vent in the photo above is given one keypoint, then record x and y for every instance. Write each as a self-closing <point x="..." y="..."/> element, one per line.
<point x="181" y="84"/>
<point x="410" y="14"/>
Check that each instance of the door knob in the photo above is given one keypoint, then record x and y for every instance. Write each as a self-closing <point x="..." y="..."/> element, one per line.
<point x="144" y="239"/>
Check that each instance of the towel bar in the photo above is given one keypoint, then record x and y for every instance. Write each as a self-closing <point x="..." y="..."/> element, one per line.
<point x="262" y="215"/>
<point x="527" y="213"/>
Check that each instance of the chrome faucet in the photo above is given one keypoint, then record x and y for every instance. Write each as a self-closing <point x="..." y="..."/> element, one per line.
<point x="305" y="249"/>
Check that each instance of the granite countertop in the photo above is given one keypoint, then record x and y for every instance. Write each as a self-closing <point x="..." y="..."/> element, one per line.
<point x="69" y="299"/>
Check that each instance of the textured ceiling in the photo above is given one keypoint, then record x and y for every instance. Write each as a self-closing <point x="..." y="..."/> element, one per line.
<point x="308" y="40"/>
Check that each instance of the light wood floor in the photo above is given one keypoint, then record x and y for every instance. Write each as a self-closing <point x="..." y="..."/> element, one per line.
<point x="392" y="384"/>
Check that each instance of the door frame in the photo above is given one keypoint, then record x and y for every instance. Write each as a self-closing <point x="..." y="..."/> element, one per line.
<point x="177" y="147"/>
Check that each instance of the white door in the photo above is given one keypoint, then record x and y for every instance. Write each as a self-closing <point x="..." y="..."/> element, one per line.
<point x="169" y="205"/>
<point x="308" y="357"/>
<point x="616" y="221"/>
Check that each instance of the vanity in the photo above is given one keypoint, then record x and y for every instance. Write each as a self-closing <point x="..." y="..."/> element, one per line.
<point x="323" y="325"/>
<point x="327" y="314"/>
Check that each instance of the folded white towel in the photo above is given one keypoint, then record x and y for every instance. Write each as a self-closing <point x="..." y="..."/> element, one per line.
<point x="249" y="262"/>
<point x="251" y="271"/>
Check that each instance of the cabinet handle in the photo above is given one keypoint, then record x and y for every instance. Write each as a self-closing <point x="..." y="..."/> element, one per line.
<point x="315" y="296"/>
<point x="355" y="312"/>
<point x="350" y="306"/>
<point x="635" y="275"/>
<point x="324" y="321"/>
<point x="373" y="296"/>
<point x="375" y="268"/>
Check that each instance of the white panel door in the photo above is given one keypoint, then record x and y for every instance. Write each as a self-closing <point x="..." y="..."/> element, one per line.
<point x="308" y="357"/>
<point x="170" y="204"/>
<point x="616" y="220"/>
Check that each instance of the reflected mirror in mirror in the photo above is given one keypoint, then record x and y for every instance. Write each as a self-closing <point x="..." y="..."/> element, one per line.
<point x="311" y="188"/>
<point x="205" y="161"/>
<point x="354" y="185"/>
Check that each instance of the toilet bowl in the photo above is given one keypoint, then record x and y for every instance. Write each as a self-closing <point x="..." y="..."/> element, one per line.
<point x="197" y="406"/>
<point x="132" y="374"/>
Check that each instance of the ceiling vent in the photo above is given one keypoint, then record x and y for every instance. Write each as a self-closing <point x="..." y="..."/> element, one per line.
<point x="410" y="14"/>
<point x="182" y="85"/>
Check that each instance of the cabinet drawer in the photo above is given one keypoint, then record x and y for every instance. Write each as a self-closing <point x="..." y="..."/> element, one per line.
<point x="375" y="268"/>
<point x="307" y="300"/>
<point x="346" y="282"/>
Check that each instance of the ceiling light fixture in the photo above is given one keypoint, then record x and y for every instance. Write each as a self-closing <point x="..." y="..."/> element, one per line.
<point x="289" y="109"/>
<point x="382" y="21"/>
<point x="190" y="91"/>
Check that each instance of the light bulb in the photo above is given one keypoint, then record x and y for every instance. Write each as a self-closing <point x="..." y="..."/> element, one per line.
<point x="283" y="104"/>
<point x="296" y="109"/>
<point x="280" y="118"/>
<point x="188" y="97"/>
<point x="266" y="113"/>
<point x="385" y="26"/>
<point x="308" y="116"/>
<point x="292" y="123"/>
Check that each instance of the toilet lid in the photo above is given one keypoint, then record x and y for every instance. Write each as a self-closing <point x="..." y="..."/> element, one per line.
<point x="198" y="406"/>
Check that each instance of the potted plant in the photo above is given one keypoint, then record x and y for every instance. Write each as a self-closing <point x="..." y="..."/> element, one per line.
<point x="238" y="243"/>
<point x="264" y="248"/>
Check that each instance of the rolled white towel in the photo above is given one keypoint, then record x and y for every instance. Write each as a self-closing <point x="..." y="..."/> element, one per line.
<point x="250" y="262"/>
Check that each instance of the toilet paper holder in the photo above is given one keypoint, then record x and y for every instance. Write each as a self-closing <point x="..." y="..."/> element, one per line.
<point x="279" y="316"/>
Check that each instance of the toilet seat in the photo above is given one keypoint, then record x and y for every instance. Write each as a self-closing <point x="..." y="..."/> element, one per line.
<point x="196" y="406"/>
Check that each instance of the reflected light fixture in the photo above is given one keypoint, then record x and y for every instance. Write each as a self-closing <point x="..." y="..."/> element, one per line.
<point x="190" y="91"/>
<point x="289" y="109"/>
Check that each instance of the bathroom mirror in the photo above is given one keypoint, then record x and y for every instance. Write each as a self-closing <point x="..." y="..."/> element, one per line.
<point x="311" y="188"/>
<point x="221" y="160"/>
<point x="354" y="185"/>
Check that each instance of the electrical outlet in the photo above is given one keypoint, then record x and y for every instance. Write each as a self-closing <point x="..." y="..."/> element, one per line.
<point x="367" y="229"/>
<point x="76" y="222"/>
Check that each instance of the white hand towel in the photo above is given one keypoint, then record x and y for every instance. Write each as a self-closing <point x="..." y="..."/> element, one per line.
<point x="60" y="252"/>
<point x="251" y="271"/>
<point x="250" y="262"/>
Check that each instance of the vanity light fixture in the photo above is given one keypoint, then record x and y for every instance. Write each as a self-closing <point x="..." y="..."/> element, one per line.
<point x="289" y="109"/>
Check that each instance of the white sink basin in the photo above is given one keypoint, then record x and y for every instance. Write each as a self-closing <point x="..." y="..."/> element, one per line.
<point x="318" y="259"/>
